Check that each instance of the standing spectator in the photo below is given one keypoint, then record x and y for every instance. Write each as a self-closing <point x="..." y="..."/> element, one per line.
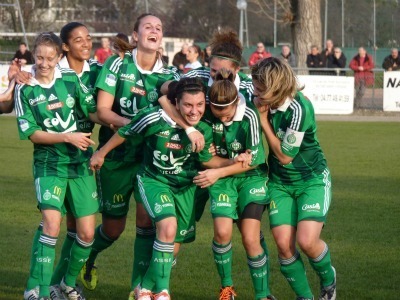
<point x="314" y="60"/>
<point x="260" y="53"/>
<point x="392" y="61"/>
<point x="288" y="56"/>
<point x="362" y="65"/>
<point x="164" y="58"/>
<point x="104" y="52"/>
<point x="23" y="55"/>
<point x="329" y="50"/>
<point x="193" y="56"/>
<point x="207" y="54"/>
<point x="180" y="59"/>
<point x="336" y="60"/>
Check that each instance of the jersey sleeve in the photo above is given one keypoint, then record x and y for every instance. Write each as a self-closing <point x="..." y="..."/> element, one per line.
<point x="301" y="119"/>
<point x="206" y="130"/>
<point x="145" y="123"/>
<point x="27" y="124"/>
<point x="254" y="137"/>
<point x="109" y="74"/>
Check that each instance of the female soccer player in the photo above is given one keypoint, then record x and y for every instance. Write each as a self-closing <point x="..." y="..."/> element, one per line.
<point x="48" y="112"/>
<point x="193" y="56"/>
<point x="300" y="181"/>
<point x="126" y="86"/>
<point x="243" y="196"/>
<point x="165" y="177"/>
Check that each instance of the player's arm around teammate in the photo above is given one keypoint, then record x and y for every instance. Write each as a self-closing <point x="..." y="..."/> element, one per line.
<point x="300" y="183"/>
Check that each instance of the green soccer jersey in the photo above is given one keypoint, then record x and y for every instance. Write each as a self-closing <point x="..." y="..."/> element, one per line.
<point x="133" y="89"/>
<point x="242" y="133"/>
<point x="242" y="81"/>
<point x="294" y="124"/>
<point x="88" y="76"/>
<point x="168" y="155"/>
<point x="55" y="108"/>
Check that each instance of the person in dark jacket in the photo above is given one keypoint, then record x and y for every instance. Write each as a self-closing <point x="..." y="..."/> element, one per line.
<point x="392" y="61"/>
<point x="23" y="55"/>
<point x="336" y="60"/>
<point x="314" y="60"/>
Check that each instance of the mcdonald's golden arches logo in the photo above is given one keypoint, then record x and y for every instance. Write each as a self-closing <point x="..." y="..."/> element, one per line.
<point x="272" y="205"/>
<point x="165" y="198"/>
<point x="57" y="191"/>
<point x="223" y="198"/>
<point x="118" y="198"/>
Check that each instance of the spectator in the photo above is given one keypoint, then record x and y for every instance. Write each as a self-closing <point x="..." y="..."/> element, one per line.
<point x="23" y="55"/>
<point x="180" y="59"/>
<point x="392" y="61"/>
<point x="314" y="60"/>
<point x="104" y="52"/>
<point x="164" y="58"/>
<point x="362" y="65"/>
<point x="336" y="60"/>
<point x="260" y="53"/>
<point x="124" y="39"/>
<point x="329" y="50"/>
<point x="193" y="56"/>
<point x="288" y="56"/>
<point x="207" y="54"/>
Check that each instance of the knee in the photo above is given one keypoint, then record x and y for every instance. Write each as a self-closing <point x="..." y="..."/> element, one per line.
<point x="113" y="228"/>
<point x="251" y="243"/>
<point x="223" y="235"/>
<point x="167" y="231"/>
<point x="86" y="235"/>
<point x="306" y="243"/>
<point x="286" y="247"/>
<point x="142" y="217"/>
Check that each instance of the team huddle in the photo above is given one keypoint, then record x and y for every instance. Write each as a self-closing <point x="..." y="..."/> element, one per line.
<point x="173" y="143"/>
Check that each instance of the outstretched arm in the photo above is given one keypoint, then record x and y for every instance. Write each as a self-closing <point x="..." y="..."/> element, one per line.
<point x="97" y="159"/>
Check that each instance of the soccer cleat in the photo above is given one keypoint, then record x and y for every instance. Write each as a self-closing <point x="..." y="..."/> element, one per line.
<point x="271" y="297"/>
<point x="45" y="298"/>
<point x="145" y="295"/>
<point x="32" y="294"/>
<point x="227" y="293"/>
<point x="88" y="276"/>
<point x="134" y="295"/>
<point x="56" y="293"/>
<point x="329" y="292"/>
<point x="70" y="293"/>
<point x="163" y="295"/>
<point x="303" y="298"/>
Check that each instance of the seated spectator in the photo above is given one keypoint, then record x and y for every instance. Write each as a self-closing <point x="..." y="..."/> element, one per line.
<point x="23" y="55"/>
<point x="101" y="54"/>
<point x="392" y="61"/>
<point x="164" y="58"/>
<point x="362" y="65"/>
<point x="288" y="56"/>
<point x="336" y="60"/>
<point x="260" y="53"/>
<point x="329" y="50"/>
<point x="206" y="55"/>
<point x="123" y="37"/>
<point x="314" y="60"/>
<point x="180" y="60"/>
<point x="193" y="56"/>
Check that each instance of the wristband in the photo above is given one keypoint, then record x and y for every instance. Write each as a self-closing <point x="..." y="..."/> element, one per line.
<point x="189" y="130"/>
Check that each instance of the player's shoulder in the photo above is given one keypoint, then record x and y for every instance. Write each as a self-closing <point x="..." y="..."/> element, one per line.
<point x="202" y="72"/>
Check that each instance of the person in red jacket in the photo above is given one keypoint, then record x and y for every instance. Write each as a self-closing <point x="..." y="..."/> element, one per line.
<point x="260" y="53"/>
<point x="362" y="65"/>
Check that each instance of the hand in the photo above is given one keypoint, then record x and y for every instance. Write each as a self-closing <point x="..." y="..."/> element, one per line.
<point x="206" y="178"/>
<point x="361" y="68"/>
<point x="245" y="158"/>
<point x="22" y="77"/>
<point x="197" y="140"/>
<point x="96" y="161"/>
<point x="13" y="69"/>
<point x="80" y="140"/>
<point x="212" y="149"/>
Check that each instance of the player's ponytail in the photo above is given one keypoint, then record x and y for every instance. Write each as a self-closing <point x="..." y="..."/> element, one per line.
<point x="223" y="92"/>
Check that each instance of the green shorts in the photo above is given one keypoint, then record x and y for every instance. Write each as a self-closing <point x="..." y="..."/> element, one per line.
<point x="229" y="196"/>
<point x="160" y="202"/>
<point x="81" y="194"/>
<point x="291" y="204"/>
<point x="116" y="181"/>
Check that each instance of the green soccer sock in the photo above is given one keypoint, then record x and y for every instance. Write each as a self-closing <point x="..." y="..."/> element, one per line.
<point x="143" y="247"/>
<point x="294" y="272"/>
<point x="223" y="261"/>
<point x="45" y="262"/>
<point x="80" y="251"/>
<point x="62" y="265"/>
<point x="158" y="274"/>
<point x="101" y="242"/>
<point x="323" y="266"/>
<point x="259" y="275"/>
<point x="33" y="280"/>
<point x="264" y="246"/>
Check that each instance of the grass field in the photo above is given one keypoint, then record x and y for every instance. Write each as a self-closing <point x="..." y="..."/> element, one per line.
<point x="363" y="228"/>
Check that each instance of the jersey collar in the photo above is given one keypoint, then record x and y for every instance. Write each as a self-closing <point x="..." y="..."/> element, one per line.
<point x="33" y="81"/>
<point x="65" y="65"/>
<point x="283" y="107"/>
<point x="236" y="81"/>
<point x="156" y="69"/>
<point x="240" y="110"/>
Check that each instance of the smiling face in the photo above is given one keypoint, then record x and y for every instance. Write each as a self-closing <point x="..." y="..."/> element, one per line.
<point x="192" y="107"/>
<point x="149" y="34"/>
<point x="79" y="44"/>
<point x="46" y="59"/>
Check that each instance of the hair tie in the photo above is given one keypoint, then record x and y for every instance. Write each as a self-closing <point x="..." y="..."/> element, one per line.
<point x="226" y="104"/>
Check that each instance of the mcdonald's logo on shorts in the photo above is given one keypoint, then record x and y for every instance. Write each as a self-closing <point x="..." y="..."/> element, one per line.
<point x="57" y="191"/>
<point x="223" y="198"/>
<point x="164" y="198"/>
<point x="118" y="198"/>
<point x="272" y="205"/>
